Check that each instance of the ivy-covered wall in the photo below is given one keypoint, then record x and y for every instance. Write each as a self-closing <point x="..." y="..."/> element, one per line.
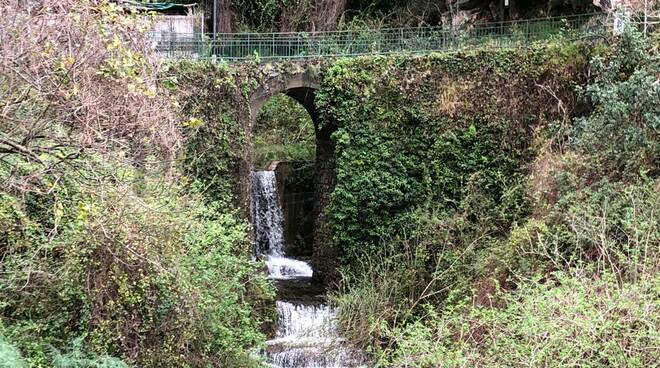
<point x="221" y="102"/>
<point x="439" y="133"/>
<point x="215" y="102"/>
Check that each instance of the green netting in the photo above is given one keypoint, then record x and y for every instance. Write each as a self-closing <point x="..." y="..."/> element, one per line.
<point x="154" y="6"/>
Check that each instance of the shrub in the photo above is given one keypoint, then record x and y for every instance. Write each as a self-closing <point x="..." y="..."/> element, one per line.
<point x="155" y="277"/>
<point x="575" y="288"/>
<point x="620" y="136"/>
<point x="107" y="253"/>
<point x="10" y="357"/>
<point x="75" y="76"/>
<point x="574" y="320"/>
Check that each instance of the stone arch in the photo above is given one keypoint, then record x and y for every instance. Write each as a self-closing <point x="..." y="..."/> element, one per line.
<point x="301" y="86"/>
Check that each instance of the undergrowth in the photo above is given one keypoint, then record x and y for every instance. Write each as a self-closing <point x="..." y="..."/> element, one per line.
<point x="284" y="132"/>
<point x="139" y="268"/>
<point x="110" y="256"/>
<point x="518" y="255"/>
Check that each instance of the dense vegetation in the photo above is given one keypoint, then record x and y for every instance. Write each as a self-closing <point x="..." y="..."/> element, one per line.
<point x="110" y="256"/>
<point x="321" y="15"/>
<point x="481" y="225"/>
<point x="492" y="208"/>
<point x="284" y="131"/>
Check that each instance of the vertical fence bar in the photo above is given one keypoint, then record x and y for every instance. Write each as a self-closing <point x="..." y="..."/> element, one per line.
<point x="527" y="35"/>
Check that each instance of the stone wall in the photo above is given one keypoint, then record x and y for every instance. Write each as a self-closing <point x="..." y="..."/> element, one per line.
<point x="295" y="183"/>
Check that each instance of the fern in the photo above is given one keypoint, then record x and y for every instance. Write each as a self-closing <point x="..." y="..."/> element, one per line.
<point x="77" y="357"/>
<point x="10" y="356"/>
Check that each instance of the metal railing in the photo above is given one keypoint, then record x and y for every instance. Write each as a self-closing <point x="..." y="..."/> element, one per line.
<point x="299" y="45"/>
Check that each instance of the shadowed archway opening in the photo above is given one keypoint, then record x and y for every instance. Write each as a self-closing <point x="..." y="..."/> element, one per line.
<point x="284" y="141"/>
<point x="286" y="137"/>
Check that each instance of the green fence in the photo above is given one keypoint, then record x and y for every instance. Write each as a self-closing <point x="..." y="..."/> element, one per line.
<point x="299" y="45"/>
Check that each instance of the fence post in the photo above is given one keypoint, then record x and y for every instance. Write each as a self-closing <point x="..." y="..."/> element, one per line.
<point x="646" y="16"/>
<point x="527" y="31"/>
<point x="171" y="42"/>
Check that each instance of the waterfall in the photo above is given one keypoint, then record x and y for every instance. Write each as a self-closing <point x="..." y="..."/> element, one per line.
<point x="267" y="214"/>
<point x="285" y="268"/>
<point x="306" y="334"/>
<point x="311" y="322"/>
<point x="268" y="233"/>
<point x="307" y="338"/>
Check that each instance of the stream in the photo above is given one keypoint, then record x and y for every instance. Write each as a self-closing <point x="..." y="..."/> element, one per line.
<point x="306" y="335"/>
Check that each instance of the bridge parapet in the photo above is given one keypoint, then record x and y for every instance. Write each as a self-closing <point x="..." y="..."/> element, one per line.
<point x="347" y="43"/>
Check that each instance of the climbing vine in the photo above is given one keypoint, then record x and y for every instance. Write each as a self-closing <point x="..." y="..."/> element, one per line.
<point x="444" y="133"/>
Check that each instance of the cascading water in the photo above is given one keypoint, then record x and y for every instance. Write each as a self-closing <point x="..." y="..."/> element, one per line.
<point x="306" y="334"/>
<point x="268" y="232"/>
<point x="267" y="214"/>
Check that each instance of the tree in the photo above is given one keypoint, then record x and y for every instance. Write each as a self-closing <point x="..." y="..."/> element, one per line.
<point x="223" y="16"/>
<point x="327" y="14"/>
<point x="65" y="67"/>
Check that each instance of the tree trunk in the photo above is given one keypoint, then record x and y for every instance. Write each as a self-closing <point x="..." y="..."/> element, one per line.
<point x="502" y="11"/>
<point x="223" y="16"/>
<point x="513" y="10"/>
<point x="327" y="14"/>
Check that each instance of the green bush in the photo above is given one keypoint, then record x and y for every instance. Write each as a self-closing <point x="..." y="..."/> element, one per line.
<point x="284" y="132"/>
<point x="571" y="321"/>
<point x="609" y="227"/>
<point x="10" y="357"/>
<point x="620" y="136"/>
<point x="382" y="288"/>
<point x="142" y="268"/>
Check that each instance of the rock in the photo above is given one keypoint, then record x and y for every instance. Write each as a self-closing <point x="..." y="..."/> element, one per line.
<point x="465" y="17"/>
<point x="633" y="6"/>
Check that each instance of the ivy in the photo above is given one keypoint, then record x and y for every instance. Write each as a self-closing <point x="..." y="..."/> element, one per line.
<point x="431" y="132"/>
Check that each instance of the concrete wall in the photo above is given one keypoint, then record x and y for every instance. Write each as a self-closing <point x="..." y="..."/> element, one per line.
<point x="178" y="25"/>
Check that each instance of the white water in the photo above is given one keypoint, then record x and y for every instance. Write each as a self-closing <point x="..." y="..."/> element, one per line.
<point x="305" y="322"/>
<point x="282" y="268"/>
<point x="266" y="214"/>
<point x="307" y="338"/>
<point x="306" y="334"/>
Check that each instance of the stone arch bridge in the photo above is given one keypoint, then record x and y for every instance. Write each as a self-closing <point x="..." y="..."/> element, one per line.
<point x="300" y="82"/>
